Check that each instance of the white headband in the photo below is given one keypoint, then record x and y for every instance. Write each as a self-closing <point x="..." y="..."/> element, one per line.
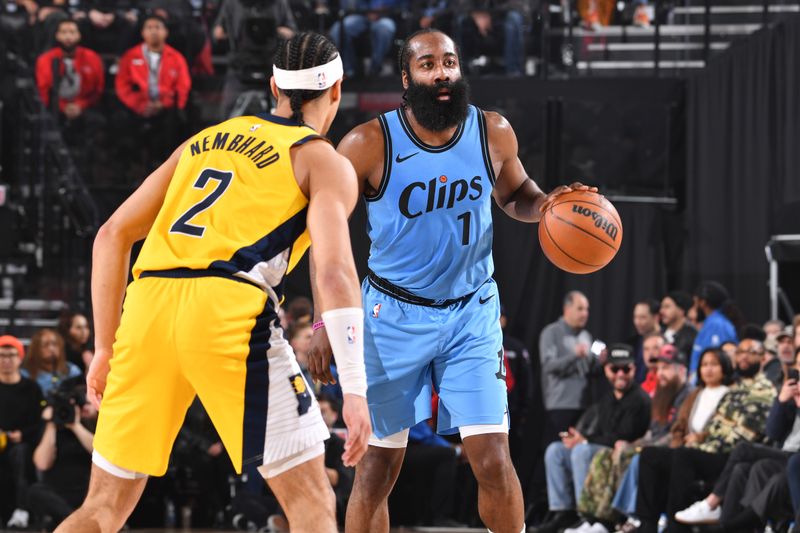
<point x="316" y="78"/>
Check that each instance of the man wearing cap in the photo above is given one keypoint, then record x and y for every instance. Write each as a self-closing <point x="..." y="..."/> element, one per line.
<point x="622" y="415"/>
<point x="610" y="467"/>
<point x="20" y="410"/>
<point x="677" y="330"/>
<point x="717" y="329"/>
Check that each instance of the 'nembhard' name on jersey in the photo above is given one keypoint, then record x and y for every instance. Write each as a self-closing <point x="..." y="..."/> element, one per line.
<point x="257" y="153"/>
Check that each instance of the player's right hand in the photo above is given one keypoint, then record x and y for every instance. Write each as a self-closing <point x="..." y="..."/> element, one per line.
<point x="319" y="358"/>
<point x="356" y="417"/>
<point x="96" y="377"/>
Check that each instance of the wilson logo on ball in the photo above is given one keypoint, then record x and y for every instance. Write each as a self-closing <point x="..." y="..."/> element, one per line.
<point x="599" y="220"/>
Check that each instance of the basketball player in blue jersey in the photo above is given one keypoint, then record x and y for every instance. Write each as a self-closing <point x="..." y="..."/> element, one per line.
<point x="428" y="171"/>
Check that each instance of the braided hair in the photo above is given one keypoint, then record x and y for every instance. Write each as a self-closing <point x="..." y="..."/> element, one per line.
<point x="304" y="50"/>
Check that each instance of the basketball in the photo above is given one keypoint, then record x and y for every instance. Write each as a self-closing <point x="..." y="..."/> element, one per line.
<point x="580" y="232"/>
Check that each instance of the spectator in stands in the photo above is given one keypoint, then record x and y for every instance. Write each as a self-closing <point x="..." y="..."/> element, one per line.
<point x="491" y="28"/>
<point x="734" y="485"/>
<point x="74" y="329"/>
<point x="796" y="331"/>
<point x="645" y="321"/>
<point x="243" y="51"/>
<point x="709" y="299"/>
<point x="430" y="467"/>
<point x="153" y="83"/>
<point x="20" y="408"/>
<point x="153" y="77"/>
<point x="773" y="328"/>
<point x="375" y="17"/>
<point x="664" y="475"/>
<point x="519" y="382"/>
<point x="793" y="477"/>
<point x="340" y="476"/>
<point x="786" y="350"/>
<point x="729" y="349"/>
<point x="63" y="458"/>
<point x="106" y="30"/>
<point x="70" y="72"/>
<point x="46" y="362"/>
<point x="619" y="418"/>
<point x="694" y="414"/>
<point x="651" y="348"/>
<point x="565" y="366"/>
<point x="300" y="309"/>
<point x="202" y="467"/>
<point x="596" y="13"/>
<point x="433" y="14"/>
<point x="677" y="329"/>
<point x="610" y="465"/>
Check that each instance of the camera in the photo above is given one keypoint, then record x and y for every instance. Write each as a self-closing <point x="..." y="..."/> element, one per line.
<point x="63" y="399"/>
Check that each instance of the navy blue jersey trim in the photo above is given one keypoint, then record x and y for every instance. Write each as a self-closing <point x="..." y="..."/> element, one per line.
<point x="387" y="160"/>
<point x="194" y="273"/>
<point x="312" y="137"/>
<point x="256" y="391"/>
<point x="272" y="244"/>
<point x="283" y="121"/>
<point x="420" y="143"/>
<point x="487" y="159"/>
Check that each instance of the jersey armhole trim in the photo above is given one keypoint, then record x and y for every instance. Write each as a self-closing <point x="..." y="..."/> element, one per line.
<point x="312" y="137"/>
<point x="487" y="159"/>
<point x="387" y="160"/>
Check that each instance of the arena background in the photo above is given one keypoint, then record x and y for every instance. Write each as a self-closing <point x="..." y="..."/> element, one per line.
<point x="702" y="164"/>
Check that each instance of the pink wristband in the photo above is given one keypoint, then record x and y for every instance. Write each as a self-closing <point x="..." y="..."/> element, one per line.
<point x="318" y="325"/>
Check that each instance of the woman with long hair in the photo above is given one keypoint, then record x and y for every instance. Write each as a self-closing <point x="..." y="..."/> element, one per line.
<point x="46" y="361"/>
<point x="76" y="332"/>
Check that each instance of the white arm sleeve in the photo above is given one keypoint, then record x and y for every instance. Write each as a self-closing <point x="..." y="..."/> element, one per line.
<point x="345" y="328"/>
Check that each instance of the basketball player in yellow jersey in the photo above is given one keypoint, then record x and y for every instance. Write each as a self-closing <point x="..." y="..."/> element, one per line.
<point x="225" y="218"/>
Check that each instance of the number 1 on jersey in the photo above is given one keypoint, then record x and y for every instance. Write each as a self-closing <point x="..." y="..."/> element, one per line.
<point x="465" y="232"/>
<point x="182" y="224"/>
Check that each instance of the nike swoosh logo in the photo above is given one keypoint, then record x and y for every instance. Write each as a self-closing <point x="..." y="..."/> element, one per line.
<point x="399" y="159"/>
<point x="483" y="301"/>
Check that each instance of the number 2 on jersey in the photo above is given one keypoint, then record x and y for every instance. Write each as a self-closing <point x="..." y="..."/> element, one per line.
<point x="182" y="225"/>
<point x="465" y="231"/>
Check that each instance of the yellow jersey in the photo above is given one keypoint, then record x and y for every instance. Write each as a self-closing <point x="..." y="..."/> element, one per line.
<point x="233" y="206"/>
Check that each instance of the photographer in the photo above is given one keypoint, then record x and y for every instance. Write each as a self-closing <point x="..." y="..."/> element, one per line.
<point x="20" y="405"/>
<point x="64" y="454"/>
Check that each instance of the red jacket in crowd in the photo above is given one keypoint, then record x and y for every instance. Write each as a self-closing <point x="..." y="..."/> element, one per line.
<point x="86" y="62"/>
<point x="174" y="82"/>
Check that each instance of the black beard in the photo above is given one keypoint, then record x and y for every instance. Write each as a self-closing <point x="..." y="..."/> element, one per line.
<point x="67" y="49"/>
<point x="433" y="114"/>
<point x="749" y="372"/>
<point x="701" y="315"/>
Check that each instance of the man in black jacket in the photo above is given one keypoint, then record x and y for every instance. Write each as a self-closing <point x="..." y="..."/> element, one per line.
<point x="622" y="415"/>
<point x="20" y="409"/>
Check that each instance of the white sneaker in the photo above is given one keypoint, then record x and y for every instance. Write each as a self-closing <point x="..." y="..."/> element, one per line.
<point x="585" y="527"/>
<point x="699" y="513"/>
<point x="597" y="527"/>
<point x="19" y="519"/>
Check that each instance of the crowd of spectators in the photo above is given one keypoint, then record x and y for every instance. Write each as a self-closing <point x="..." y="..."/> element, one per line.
<point x="624" y="450"/>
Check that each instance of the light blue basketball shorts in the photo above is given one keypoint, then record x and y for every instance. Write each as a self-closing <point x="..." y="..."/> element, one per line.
<point x="411" y="350"/>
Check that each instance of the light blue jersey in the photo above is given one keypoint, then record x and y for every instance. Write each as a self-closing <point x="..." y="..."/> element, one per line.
<point x="430" y="222"/>
<point x="433" y="315"/>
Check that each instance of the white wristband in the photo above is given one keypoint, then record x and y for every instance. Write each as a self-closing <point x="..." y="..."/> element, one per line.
<point x="345" y="329"/>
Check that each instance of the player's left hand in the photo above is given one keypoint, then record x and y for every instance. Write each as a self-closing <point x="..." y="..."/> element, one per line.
<point x="359" y="428"/>
<point x="319" y="358"/>
<point x="96" y="377"/>
<point x="563" y="189"/>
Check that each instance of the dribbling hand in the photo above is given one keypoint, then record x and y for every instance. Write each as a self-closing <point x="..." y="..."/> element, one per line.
<point x="319" y="358"/>
<point x="359" y="428"/>
<point x="96" y="377"/>
<point x="563" y="189"/>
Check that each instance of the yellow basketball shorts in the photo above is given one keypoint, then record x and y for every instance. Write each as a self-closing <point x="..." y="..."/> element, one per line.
<point x="216" y="338"/>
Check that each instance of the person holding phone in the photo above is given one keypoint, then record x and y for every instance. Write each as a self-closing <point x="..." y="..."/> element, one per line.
<point x="751" y="465"/>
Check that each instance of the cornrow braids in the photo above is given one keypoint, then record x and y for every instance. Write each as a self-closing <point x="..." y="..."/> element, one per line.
<point x="304" y="50"/>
